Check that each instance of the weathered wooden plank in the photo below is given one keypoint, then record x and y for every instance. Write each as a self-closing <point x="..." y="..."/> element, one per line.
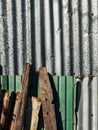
<point x="10" y="111"/>
<point x="32" y="113"/>
<point x="2" y="93"/>
<point x="22" y="99"/>
<point x="16" y="107"/>
<point x="47" y="100"/>
<point x="36" y="104"/>
<point x="4" y="109"/>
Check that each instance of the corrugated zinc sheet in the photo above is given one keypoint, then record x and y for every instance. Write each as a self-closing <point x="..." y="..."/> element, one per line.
<point x="64" y="96"/>
<point x="87" y="104"/>
<point x="59" y="34"/>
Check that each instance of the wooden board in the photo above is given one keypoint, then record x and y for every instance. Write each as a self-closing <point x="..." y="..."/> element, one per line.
<point x="22" y="101"/>
<point x="36" y="104"/>
<point x="4" y="109"/>
<point x="10" y="111"/>
<point x="47" y="100"/>
<point x="16" y="107"/>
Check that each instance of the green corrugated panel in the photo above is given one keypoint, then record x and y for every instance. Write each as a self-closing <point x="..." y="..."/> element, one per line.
<point x="17" y="83"/>
<point x="74" y="102"/>
<point x="64" y="97"/>
<point x="4" y="82"/>
<point x="69" y="103"/>
<point x="11" y="82"/>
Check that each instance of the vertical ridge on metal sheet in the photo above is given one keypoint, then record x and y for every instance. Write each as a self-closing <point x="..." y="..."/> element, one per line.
<point x="10" y="45"/>
<point x="86" y="104"/>
<point x="94" y="106"/>
<point x="49" y="33"/>
<point x="19" y="34"/>
<point x="31" y="31"/>
<point x="24" y="30"/>
<point x="15" y="38"/>
<point x="37" y="33"/>
<point x="28" y="42"/>
<point x="4" y="81"/>
<point x="57" y="32"/>
<point x="17" y="83"/>
<point x="11" y="83"/>
<point x="4" y="31"/>
<point x="76" y="37"/>
<point x="87" y="97"/>
<point x="94" y="36"/>
<point x="69" y="105"/>
<point x="74" y="103"/>
<point x="62" y="99"/>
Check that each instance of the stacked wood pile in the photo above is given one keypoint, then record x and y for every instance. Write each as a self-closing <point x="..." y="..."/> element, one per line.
<point x="16" y="107"/>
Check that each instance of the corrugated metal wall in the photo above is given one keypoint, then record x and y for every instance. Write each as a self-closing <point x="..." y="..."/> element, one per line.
<point x="59" y="34"/>
<point x="87" y="103"/>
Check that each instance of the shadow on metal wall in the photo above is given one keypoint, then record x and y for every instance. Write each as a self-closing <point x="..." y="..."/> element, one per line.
<point x="90" y="17"/>
<point x="80" y="37"/>
<point x="0" y="69"/>
<point x="0" y="88"/>
<point x="78" y="96"/>
<point x="0" y="74"/>
<point x="57" y="104"/>
<point x="71" y="37"/>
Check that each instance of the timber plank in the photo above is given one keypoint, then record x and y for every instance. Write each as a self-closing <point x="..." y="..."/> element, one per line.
<point x="36" y="104"/>
<point x="19" y="123"/>
<point x="10" y="111"/>
<point x="4" y="108"/>
<point x="47" y="100"/>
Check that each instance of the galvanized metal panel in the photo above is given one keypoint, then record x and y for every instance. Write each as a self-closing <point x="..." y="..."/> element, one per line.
<point x="87" y="103"/>
<point x="64" y="93"/>
<point x="59" y="34"/>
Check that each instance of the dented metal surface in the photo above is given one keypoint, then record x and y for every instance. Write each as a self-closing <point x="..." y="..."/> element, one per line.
<point x="59" y="34"/>
<point x="87" y="103"/>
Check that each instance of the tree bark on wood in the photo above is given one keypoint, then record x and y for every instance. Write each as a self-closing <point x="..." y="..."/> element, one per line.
<point x="47" y="100"/>
<point x="16" y="107"/>
<point x="4" y="109"/>
<point x="2" y="93"/>
<point x="36" y="104"/>
<point x="10" y="111"/>
<point x="22" y="99"/>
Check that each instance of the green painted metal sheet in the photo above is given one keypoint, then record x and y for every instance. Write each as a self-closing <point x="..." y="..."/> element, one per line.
<point x="11" y="82"/>
<point x="69" y="103"/>
<point x="64" y="97"/>
<point x="4" y="82"/>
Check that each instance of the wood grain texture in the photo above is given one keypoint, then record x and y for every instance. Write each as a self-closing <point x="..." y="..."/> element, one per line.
<point x="16" y="107"/>
<point x="47" y="100"/>
<point x="19" y="123"/>
<point x="4" y="109"/>
<point x="10" y="111"/>
<point x="2" y="93"/>
<point x="36" y="104"/>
